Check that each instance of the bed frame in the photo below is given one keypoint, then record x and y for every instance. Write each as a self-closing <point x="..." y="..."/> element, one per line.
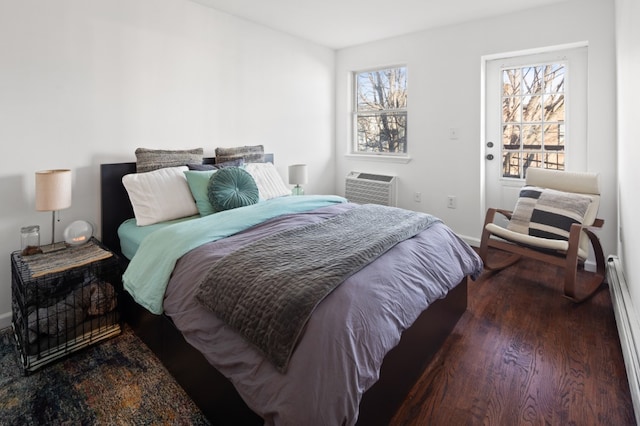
<point x="212" y="392"/>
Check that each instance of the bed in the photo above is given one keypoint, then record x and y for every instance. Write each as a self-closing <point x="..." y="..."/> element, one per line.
<point x="180" y="340"/>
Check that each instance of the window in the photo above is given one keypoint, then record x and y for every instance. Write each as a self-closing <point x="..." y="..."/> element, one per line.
<point x="380" y="111"/>
<point x="533" y="118"/>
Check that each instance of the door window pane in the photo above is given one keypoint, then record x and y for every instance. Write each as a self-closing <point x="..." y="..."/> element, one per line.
<point x="511" y="164"/>
<point x="511" y="110"/>
<point x="511" y="137"/>
<point x="554" y="137"/>
<point x="554" y="78"/>
<point x="532" y="136"/>
<point x="531" y="108"/>
<point x="533" y="118"/>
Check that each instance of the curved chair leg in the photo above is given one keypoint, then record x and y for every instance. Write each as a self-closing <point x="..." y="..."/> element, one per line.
<point x="484" y="247"/>
<point x="593" y="284"/>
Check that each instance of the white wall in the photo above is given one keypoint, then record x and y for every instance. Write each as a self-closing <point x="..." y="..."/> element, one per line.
<point x="628" y="61"/>
<point x="86" y="82"/>
<point x="444" y="81"/>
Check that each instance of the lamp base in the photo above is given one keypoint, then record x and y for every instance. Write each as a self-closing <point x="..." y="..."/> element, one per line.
<point x="297" y="190"/>
<point x="53" y="247"/>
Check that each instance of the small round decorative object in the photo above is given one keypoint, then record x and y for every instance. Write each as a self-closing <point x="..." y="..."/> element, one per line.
<point x="78" y="232"/>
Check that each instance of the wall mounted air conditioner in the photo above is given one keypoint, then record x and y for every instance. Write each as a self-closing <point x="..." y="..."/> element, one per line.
<point x="367" y="188"/>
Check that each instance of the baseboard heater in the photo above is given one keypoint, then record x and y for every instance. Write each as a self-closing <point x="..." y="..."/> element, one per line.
<point x="628" y="328"/>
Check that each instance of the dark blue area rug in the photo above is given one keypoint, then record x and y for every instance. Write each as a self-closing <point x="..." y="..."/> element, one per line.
<point x="116" y="382"/>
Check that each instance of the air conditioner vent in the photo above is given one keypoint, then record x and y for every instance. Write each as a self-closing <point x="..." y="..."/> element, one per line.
<point x="368" y="188"/>
<point x="381" y="178"/>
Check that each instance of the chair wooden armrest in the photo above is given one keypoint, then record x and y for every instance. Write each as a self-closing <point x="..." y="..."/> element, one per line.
<point x="491" y="213"/>
<point x="485" y="240"/>
<point x="505" y="213"/>
<point x="571" y="269"/>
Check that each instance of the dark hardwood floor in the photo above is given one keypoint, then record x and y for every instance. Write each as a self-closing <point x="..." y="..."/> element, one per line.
<point x="523" y="354"/>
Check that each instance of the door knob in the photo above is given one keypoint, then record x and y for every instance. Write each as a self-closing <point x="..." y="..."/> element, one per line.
<point x="489" y="156"/>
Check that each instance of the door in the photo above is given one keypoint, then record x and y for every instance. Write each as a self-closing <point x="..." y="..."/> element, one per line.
<point x="536" y="116"/>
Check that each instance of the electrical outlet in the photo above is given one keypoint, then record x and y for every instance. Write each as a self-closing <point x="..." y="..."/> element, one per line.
<point x="452" y="202"/>
<point x="417" y="197"/>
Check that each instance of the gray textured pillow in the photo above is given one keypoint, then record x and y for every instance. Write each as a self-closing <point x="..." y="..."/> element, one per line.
<point x="250" y="154"/>
<point x="153" y="159"/>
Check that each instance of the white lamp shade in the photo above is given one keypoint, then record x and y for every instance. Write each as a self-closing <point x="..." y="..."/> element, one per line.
<point x="53" y="190"/>
<point x="298" y="174"/>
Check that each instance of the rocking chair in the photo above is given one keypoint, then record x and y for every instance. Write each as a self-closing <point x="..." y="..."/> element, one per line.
<point x="553" y="221"/>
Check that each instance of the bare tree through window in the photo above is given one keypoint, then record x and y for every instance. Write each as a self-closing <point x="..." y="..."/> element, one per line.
<point x="533" y="118"/>
<point x="381" y="111"/>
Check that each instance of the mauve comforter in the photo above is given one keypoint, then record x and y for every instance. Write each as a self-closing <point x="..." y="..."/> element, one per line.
<point x="339" y="356"/>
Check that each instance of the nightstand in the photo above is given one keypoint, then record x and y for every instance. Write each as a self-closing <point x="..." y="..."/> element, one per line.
<point x="64" y="301"/>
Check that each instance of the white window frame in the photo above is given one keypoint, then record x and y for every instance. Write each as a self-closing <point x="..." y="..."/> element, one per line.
<point x="353" y="151"/>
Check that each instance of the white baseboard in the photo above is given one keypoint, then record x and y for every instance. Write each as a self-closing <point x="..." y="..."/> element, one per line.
<point x="5" y="320"/>
<point x="628" y="328"/>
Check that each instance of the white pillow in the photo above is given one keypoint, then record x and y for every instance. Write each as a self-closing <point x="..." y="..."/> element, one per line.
<point x="268" y="180"/>
<point x="160" y="195"/>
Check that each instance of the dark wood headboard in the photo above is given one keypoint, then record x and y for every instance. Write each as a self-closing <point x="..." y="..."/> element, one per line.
<point x="115" y="206"/>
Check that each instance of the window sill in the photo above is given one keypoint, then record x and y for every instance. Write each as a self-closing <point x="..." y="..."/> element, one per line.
<point x="380" y="157"/>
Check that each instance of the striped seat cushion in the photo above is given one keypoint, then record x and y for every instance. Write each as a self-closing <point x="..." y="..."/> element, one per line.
<point x="547" y="213"/>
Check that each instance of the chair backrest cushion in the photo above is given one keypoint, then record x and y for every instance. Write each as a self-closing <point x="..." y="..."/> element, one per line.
<point x="587" y="183"/>
<point x="548" y="213"/>
<point x="579" y="182"/>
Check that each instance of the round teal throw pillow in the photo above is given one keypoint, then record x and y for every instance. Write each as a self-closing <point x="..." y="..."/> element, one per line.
<point x="230" y="188"/>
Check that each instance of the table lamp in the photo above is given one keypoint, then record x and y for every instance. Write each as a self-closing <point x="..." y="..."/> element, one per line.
<point x="297" y="177"/>
<point x="53" y="192"/>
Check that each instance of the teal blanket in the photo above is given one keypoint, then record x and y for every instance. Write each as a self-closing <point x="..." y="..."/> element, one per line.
<point x="148" y="273"/>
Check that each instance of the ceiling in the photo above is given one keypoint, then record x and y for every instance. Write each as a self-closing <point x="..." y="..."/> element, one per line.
<point x="343" y="23"/>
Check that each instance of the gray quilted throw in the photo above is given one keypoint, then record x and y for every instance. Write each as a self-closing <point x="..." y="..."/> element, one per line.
<point x="268" y="289"/>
